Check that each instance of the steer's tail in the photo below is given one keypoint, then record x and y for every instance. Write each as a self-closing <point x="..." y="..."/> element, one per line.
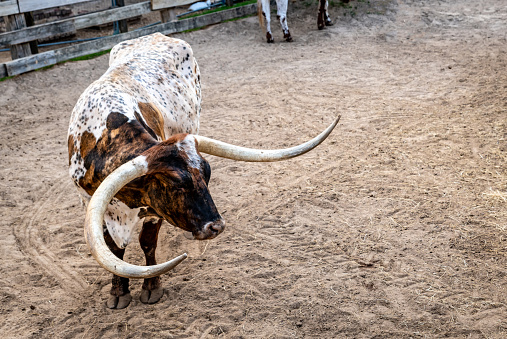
<point x="259" y="14"/>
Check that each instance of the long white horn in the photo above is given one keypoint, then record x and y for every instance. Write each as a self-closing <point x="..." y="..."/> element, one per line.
<point x="225" y="150"/>
<point x="94" y="233"/>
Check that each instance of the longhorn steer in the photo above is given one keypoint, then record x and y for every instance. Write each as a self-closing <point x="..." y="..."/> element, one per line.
<point x="263" y="10"/>
<point x="134" y="154"/>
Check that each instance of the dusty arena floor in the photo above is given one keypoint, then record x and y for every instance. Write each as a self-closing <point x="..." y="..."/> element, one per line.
<point x="395" y="227"/>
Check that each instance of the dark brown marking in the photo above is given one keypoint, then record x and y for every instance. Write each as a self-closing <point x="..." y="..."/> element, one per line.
<point x="148" y="238"/>
<point x="72" y="148"/>
<point x="125" y="141"/>
<point x="87" y="143"/>
<point x="88" y="182"/>
<point x="115" y="120"/>
<point x="157" y="157"/>
<point x="120" y="285"/>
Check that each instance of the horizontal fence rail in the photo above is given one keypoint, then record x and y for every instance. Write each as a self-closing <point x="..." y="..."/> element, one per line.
<point x="48" y="58"/>
<point x="9" y="8"/>
<point x="71" y="25"/>
<point x="44" y="59"/>
<point x="23" y="6"/>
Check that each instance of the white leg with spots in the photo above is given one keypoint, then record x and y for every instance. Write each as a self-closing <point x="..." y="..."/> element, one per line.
<point x="281" y="12"/>
<point x="120" y="221"/>
<point x="267" y="17"/>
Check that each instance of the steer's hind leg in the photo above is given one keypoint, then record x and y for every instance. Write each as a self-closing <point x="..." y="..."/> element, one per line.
<point x="120" y="294"/>
<point x="152" y="290"/>
<point x="281" y="12"/>
<point x="323" y="16"/>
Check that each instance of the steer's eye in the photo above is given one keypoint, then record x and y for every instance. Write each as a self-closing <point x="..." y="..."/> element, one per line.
<point x="184" y="182"/>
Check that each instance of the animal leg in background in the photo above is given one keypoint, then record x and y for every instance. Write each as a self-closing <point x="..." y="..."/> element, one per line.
<point x="267" y="17"/>
<point x="281" y="8"/>
<point x="120" y="294"/>
<point x="152" y="290"/>
<point x="323" y="16"/>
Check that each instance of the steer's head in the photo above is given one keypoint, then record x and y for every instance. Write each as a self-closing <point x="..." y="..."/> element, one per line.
<point x="177" y="187"/>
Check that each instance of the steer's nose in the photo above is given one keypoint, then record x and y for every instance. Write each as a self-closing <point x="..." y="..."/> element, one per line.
<point x="213" y="228"/>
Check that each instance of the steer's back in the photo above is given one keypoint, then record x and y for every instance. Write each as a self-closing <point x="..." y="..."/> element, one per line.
<point x="150" y="91"/>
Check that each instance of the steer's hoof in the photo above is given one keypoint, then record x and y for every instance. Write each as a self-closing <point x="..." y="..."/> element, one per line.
<point x="269" y="38"/>
<point x="329" y="23"/>
<point x="120" y="302"/>
<point x="153" y="296"/>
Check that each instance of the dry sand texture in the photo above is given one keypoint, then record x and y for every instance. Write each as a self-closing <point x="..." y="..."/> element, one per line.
<point x="395" y="227"/>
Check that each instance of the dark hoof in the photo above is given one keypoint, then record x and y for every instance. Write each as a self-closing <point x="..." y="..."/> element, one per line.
<point x="269" y="38"/>
<point x="120" y="302"/>
<point x="321" y="27"/>
<point x="329" y="23"/>
<point x="153" y="296"/>
<point x="287" y="37"/>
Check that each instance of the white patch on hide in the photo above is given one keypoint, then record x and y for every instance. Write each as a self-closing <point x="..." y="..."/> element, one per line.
<point x="121" y="221"/>
<point x="188" y="146"/>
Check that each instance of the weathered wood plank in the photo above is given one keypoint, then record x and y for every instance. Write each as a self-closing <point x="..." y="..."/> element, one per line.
<point x="9" y="7"/>
<point x="34" y="5"/>
<point x="37" y="32"/>
<point x="94" y="46"/>
<point x="71" y="25"/>
<point x="63" y="54"/>
<point x="30" y="63"/>
<point x="12" y="23"/>
<point x="111" y="15"/>
<point x="162" y="4"/>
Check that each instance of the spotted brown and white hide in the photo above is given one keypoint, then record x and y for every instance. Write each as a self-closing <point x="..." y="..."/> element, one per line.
<point x="150" y="92"/>
<point x="263" y="8"/>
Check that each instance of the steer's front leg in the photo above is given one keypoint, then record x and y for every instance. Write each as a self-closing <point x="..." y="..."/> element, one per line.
<point x="267" y="17"/>
<point x="152" y="289"/>
<point x="120" y="294"/>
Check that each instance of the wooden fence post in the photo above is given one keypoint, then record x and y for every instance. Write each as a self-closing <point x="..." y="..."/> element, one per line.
<point x="122" y="23"/>
<point x="12" y="23"/>
<point x="168" y="15"/>
<point x="34" y="48"/>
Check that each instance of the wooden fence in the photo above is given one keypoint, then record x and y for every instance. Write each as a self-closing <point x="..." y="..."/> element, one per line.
<point x="20" y="35"/>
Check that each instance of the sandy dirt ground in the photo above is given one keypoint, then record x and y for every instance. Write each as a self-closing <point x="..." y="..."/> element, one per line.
<point x="395" y="227"/>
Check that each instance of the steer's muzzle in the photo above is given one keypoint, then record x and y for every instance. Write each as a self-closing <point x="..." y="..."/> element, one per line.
<point x="210" y="230"/>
